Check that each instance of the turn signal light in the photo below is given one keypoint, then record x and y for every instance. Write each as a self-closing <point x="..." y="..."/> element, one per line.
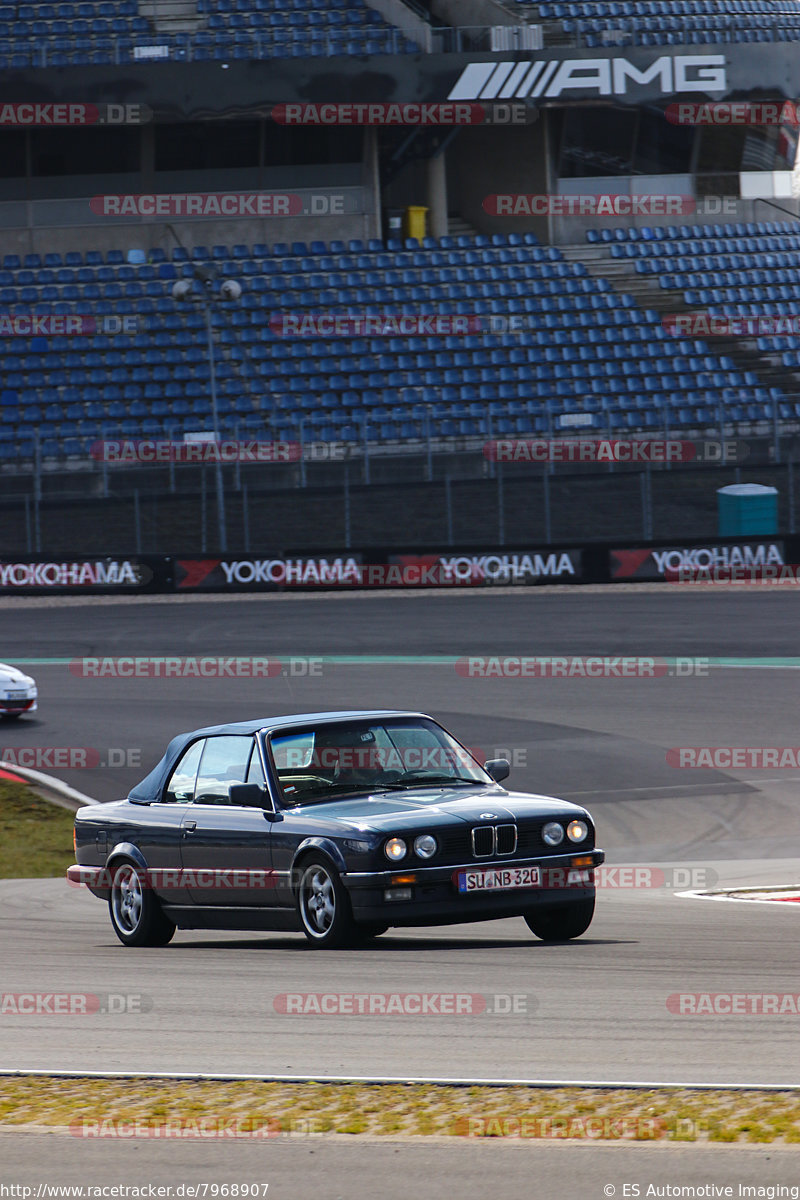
<point x="584" y="861"/>
<point x="404" y="879"/>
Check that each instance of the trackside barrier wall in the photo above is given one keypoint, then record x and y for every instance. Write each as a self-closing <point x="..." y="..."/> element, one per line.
<point x="377" y="567"/>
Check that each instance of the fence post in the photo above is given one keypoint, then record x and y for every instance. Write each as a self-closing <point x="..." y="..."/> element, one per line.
<point x="137" y="521"/>
<point x="365" y="440"/>
<point x="172" y="435"/>
<point x="501" y="515"/>
<point x="666" y="436"/>
<point x="347" y="507"/>
<point x="37" y="492"/>
<point x="104" y="461"/>
<point x="302" y="429"/>
<point x="791" y="494"/>
<point x="246" y="518"/>
<point x="448" y="506"/>
<point x="28" y="530"/>
<point x="429" y="447"/>
<point x="646" y="497"/>
<point x="776" y="441"/>
<point x="546" y="484"/>
<point x="203" y="513"/>
<point x="237" y="470"/>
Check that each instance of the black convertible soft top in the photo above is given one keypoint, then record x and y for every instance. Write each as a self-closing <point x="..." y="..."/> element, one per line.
<point x="150" y="788"/>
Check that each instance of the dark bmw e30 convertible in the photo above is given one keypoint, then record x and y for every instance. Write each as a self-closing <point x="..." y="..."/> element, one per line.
<point x="339" y="824"/>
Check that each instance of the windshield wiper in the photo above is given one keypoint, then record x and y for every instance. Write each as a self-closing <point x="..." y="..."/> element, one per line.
<point x="412" y="779"/>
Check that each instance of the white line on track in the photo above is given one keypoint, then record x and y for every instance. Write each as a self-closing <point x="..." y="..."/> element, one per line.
<point x="736" y="896"/>
<point x="10" y="1072"/>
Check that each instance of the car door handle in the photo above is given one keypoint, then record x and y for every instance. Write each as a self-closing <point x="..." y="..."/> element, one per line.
<point x="190" y="826"/>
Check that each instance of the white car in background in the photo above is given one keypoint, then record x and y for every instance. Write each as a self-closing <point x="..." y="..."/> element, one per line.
<point x="18" y="692"/>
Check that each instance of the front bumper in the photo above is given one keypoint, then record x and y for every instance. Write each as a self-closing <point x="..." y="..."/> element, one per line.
<point x="435" y="899"/>
<point x="19" y="705"/>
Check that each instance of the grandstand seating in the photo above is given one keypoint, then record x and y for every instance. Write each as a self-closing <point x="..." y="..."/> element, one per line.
<point x="101" y="32"/>
<point x="586" y="350"/>
<point x="671" y="22"/>
<point x="742" y="270"/>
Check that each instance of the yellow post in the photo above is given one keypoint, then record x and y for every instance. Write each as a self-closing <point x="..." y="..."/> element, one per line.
<point x="416" y="221"/>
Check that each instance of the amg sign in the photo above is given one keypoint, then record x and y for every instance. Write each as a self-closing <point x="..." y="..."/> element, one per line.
<point x="547" y="79"/>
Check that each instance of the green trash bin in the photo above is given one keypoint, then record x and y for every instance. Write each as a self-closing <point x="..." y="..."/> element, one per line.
<point x="747" y="508"/>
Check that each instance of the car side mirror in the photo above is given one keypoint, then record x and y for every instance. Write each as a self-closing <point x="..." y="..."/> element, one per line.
<point x="248" y="795"/>
<point x="498" y="768"/>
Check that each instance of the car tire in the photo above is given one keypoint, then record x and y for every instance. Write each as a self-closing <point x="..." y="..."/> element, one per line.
<point x="136" y="915"/>
<point x="561" y="922"/>
<point x="323" y="905"/>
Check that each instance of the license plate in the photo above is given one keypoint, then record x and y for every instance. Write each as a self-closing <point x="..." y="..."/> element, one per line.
<point x="16" y="695"/>
<point x="498" y="879"/>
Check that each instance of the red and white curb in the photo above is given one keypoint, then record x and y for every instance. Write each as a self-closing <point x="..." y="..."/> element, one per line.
<point x="49" y="782"/>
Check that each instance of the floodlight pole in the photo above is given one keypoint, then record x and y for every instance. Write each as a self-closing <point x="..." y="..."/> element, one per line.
<point x="221" y="523"/>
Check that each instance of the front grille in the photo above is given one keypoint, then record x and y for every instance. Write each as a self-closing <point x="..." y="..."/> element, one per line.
<point x="459" y="845"/>
<point x="483" y="841"/>
<point x="506" y="839"/>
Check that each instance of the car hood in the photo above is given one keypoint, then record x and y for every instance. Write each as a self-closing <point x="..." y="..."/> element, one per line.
<point x="13" y="675"/>
<point x="435" y="808"/>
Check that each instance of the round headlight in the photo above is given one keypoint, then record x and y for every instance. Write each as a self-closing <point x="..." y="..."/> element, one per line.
<point x="553" y="833"/>
<point x="577" y="831"/>
<point x="425" y="846"/>
<point x="395" y="849"/>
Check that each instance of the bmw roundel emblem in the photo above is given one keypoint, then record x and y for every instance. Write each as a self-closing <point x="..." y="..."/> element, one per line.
<point x="488" y="817"/>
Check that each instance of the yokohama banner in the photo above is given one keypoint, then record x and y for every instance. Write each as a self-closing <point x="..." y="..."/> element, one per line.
<point x="675" y="562"/>
<point x="765" y="560"/>
<point x="84" y="574"/>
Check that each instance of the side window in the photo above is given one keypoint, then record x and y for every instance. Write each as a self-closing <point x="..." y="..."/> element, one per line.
<point x="180" y="789"/>
<point x="224" y="762"/>
<point x="255" y="773"/>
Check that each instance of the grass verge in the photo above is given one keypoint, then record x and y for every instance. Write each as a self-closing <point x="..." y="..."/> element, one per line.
<point x="35" y="836"/>
<point x="208" y="1109"/>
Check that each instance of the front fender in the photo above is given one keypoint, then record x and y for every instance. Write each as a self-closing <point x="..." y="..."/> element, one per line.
<point x="321" y="845"/>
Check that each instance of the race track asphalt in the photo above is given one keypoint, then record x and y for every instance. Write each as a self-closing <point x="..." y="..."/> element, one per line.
<point x="597" y="1008"/>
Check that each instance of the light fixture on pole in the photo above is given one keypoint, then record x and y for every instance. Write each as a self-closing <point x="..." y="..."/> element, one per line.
<point x="184" y="290"/>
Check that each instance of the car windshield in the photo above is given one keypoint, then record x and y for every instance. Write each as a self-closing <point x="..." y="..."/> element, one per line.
<point x="328" y="761"/>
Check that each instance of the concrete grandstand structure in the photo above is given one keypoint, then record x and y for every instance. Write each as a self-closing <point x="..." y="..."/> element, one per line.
<point x="506" y="122"/>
